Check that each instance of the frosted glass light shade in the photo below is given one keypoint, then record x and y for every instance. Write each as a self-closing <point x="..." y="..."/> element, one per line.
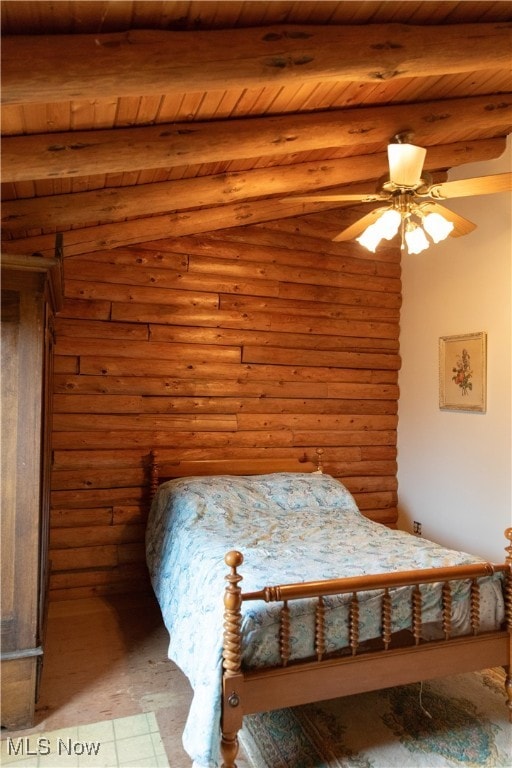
<point x="388" y="223"/>
<point x="437" y="226"/>
<point x="370" y="238"/>
<point x="405" y="164"/>
<point x="415" y="239"/>
<point x="385" y="227"/>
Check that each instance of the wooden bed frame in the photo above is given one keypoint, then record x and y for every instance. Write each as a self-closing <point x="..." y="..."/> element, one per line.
<point x="387" y="663"/>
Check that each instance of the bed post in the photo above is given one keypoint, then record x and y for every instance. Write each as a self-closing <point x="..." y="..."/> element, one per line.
<point x="231" y="661"/>
<point x="154" y="470"/>
<point x="508" y="613"/>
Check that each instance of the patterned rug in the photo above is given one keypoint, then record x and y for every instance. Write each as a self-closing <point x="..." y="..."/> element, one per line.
<point x="460" y="721"/>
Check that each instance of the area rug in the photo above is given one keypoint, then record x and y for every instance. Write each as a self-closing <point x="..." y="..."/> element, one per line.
<point x="460" y="721"/>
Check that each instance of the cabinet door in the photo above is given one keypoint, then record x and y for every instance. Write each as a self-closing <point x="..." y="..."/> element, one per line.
<point x="21" y="461"/>
<point x="11" y="310"/>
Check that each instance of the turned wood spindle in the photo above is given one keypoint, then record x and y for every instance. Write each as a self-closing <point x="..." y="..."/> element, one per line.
<point x="508" y="581"/>
<point x="416" y="614"/>
<point x="386" y="618"/>
<point x="284" y="634"/>
<point x="508" y="614"/>
<point x="508" y="690"/>
<point x="475" y="606"/>
<point x="320" y="628"/>
<point x="319" y="464"/>
<point x="447" y="610"/>
<point x="155" y="471"/>
<point x="229" y="749"/>
<point x="508" y="548"/>
<point x="232" y="651"/>
<point x="354" y="623"/>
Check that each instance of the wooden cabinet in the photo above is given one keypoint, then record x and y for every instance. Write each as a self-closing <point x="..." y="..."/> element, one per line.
<point x="31" y="293"/>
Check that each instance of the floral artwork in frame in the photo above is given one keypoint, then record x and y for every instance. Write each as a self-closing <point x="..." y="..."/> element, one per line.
<point x="462" y="372"/>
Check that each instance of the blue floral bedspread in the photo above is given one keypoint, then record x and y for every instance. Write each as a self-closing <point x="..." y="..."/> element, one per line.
<point x="290" y="528"/>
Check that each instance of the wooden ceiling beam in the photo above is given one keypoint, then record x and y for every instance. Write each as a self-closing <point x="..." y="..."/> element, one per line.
<point x="84" y="153"/>
<point x="115" y="204"/>
<point x="58" y="68"/>
<point x="105" y="236"/>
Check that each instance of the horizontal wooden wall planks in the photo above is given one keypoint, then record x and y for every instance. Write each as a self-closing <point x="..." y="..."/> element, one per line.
<point x="256" y="342"/>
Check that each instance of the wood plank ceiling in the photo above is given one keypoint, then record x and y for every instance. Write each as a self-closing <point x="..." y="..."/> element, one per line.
<point x="129" y="121"/>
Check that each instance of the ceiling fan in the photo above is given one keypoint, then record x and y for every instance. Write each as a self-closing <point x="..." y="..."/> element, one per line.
<point x="411" y="200"/>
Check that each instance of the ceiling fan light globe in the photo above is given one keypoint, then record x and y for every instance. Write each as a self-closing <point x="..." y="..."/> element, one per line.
<point x="437" y="226"/>
<point x="370" y="238"/>
<point x="405" y="164"/>
<point x="415" y="239"/>
<point x="389" y="223"/>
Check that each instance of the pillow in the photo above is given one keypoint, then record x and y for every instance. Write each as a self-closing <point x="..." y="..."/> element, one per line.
<point x="285" y="490"/>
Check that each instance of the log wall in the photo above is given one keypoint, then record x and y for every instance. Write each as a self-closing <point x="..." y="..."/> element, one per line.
<point x="265" y="341"/>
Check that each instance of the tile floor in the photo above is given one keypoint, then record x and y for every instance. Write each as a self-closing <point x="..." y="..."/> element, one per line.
<point x="120" y="743"/>
<point x="106" y="660"/>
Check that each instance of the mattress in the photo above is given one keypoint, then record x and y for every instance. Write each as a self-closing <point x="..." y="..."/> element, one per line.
<point x="290" y="527"/>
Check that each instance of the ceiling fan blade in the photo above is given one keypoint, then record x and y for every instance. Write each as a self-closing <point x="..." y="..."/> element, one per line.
<point x="360" y="225"/>
<point x="481" y="185"/>
<point x="361" y="198"/>
<point x="461" y="226"/>
<point x="405" y="164"/>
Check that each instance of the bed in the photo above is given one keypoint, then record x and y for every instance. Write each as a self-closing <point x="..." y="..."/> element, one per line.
<point x="332" y="603"/>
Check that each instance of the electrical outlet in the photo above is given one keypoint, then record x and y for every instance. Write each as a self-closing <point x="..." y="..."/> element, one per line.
<point x="416" y="527"/>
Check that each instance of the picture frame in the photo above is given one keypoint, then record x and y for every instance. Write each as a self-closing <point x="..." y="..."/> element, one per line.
<point x="463" y="372"/>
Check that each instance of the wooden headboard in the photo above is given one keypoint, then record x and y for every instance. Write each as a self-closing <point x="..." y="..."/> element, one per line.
<point x="161" y="471"/>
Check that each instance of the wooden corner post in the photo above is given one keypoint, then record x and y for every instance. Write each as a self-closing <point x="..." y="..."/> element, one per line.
<point x="231" y="719"/>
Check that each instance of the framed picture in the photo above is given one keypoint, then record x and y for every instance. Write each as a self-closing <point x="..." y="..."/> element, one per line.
<point x="462" y="372"/>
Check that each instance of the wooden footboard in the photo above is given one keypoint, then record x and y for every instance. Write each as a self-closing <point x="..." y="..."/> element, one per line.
<point x="361" y="668"/>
